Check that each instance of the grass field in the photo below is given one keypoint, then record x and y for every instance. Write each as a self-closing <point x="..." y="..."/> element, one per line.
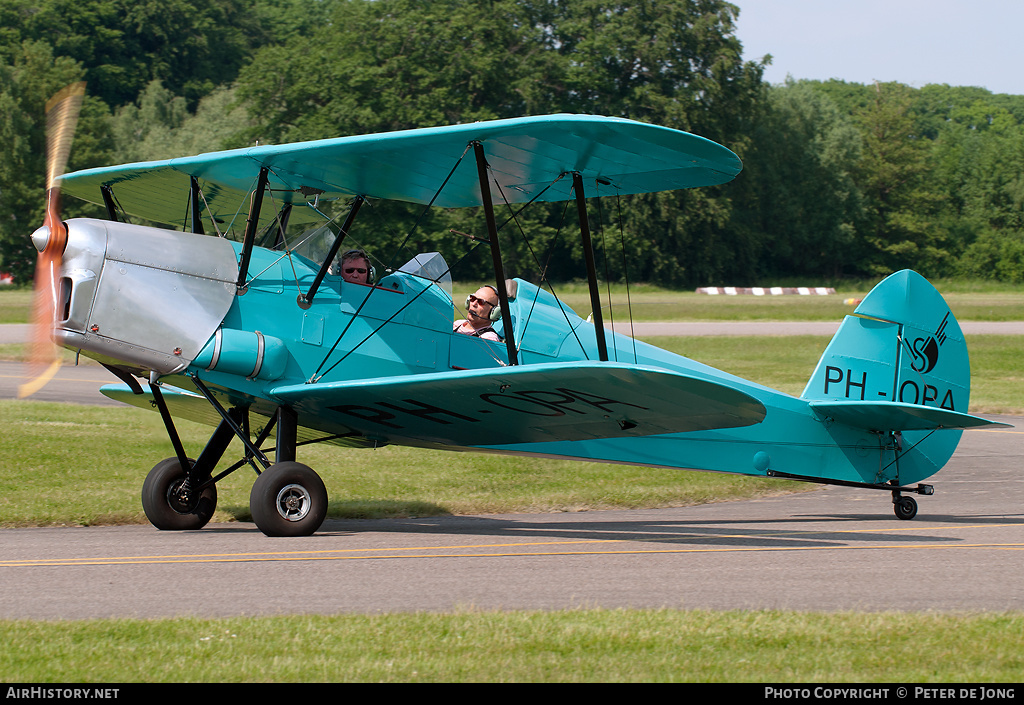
<point x="93" y="477"/>
<point x="573" y="646"/>
<point x="15" y="305"/>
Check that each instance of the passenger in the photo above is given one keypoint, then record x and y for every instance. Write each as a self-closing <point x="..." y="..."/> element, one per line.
<point x="482" y="309"/>
<point x="355" y="267"/>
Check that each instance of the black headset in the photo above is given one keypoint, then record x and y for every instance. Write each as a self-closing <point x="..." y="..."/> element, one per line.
<point x="495" y="314"/>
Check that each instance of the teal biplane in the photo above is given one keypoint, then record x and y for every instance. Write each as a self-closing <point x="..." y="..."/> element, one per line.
<point x="260" y="337"/>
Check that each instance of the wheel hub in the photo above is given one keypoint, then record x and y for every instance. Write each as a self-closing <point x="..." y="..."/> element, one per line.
<point x="181" y="498"/>
<point x="293" y="502"/>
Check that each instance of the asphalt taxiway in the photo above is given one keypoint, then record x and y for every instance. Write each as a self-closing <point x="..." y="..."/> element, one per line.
<point x="830" y="548"/>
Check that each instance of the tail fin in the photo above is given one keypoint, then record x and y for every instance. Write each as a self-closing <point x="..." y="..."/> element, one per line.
<point x="899" y="367"/>
<point x="903" y="345"/>
<point x="899" y="364"/>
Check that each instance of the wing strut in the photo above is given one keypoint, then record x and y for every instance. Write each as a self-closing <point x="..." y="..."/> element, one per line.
<point x="195" y="212"/>
<point x="306" y="299"/>
<point x="108" y="201"/>
<point x="588" y="253"/>
<point x="499" y="270"/>
<point x="251" y="226"/>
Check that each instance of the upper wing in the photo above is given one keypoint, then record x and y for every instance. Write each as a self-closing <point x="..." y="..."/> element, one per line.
<point x="525" y="156"/>
<point x="527" y="404"/>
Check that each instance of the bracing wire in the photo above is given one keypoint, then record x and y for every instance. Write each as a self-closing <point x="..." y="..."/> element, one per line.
<point x="543" y="268"/>
<point x="317" y="375"/>
<point x="607" y="269"/>
<point x="625" y="271"/>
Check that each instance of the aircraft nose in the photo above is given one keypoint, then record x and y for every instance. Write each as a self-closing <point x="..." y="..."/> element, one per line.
<point x="41" y="237"/>
<point x="80" y="265"/>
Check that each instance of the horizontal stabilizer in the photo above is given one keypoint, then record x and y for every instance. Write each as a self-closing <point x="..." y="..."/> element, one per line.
<point x="532" y="403"/>
<point x="897" y="416"/>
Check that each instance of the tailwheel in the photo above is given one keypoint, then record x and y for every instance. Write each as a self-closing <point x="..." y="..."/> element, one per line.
<point x="171" y="502"/>
<point x="905" y="507"/>
<point x="288" y="499"/>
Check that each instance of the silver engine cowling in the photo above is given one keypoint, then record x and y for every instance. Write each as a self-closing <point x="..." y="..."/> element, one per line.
<point x="142" y="298"/>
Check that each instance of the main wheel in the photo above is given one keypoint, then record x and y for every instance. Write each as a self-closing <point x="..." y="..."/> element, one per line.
<point x="170" y="504"/>
<point x="905" y="507"/>
<point x="288" y="499"/>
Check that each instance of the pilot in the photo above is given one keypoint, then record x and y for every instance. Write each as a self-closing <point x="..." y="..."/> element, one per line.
<point x="355" y="267"/>
<point x="481" y="310"/>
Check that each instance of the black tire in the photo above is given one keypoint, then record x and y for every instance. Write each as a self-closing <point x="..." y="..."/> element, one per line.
<point x="905" y="508"/>
<point x="169" y="508"/>
<point x="288" y="499"/>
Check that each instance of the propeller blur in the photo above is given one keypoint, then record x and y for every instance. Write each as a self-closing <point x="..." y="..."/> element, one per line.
<point x="50" y="240"/>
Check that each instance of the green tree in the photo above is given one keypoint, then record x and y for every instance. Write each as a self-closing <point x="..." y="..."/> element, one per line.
<point x="185" y="48"/>
<point x="394" y="64"/>
<point x="160" y="126"/>
<point x="26" y="82"/>
<point x="900" y="202"/>
<point x="677" y="64"/>
<point x="978" y="159"/>
<point x="804" y="199"/>
<point x="190" y="45"/>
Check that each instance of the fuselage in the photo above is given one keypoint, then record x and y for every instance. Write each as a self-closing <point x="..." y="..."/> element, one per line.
<point x="150" y="300"/>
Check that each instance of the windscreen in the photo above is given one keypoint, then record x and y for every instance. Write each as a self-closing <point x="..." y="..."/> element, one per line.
<point x="430" y="265"/>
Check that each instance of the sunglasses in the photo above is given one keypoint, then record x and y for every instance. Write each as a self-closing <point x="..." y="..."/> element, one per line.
<point x="349" y="270"/>
<point x="481" y="301"/>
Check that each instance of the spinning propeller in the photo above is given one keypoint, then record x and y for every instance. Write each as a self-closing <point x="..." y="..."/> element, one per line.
<point x="50" y="239"/>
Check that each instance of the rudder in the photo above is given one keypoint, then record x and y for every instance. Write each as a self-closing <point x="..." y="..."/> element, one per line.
<point x="898" y="367"/>
<point x="902" y="344"/>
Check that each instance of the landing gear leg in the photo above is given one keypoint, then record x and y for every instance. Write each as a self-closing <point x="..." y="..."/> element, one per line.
<point x="288" y="498"/>
<point x="287" y="432"/>
<point x="904" y="507"/>
<point x="178" y="493"/>
<point x="172" y="502"/>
